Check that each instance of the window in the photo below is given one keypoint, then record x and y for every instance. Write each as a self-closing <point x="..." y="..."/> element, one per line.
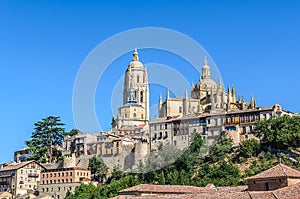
<point x="166" y="126"/>
<point x="134" y="115"/>
<point x="208" y="121"/>
<point x="141" y="96"/>
<point x="180" y="109"/>
<point x="138" y="79"/>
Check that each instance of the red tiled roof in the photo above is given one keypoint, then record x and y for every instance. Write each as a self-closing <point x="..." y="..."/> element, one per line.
<point x="206" y="195"/>
<point x="290" y="192"/>
<point x="149" y="188"/>
<point x="16" y="166"/>
<point x="278" y="171"/>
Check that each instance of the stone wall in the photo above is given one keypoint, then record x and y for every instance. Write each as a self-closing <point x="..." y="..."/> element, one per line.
<point x="267" y="184"/>
<point x="57" y="191"/>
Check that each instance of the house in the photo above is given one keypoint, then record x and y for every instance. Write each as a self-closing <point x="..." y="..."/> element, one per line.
<point x="20" y="178"/>
<point x="277" y="177"/>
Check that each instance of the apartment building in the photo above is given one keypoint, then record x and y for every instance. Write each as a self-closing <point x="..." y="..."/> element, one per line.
<point x="57" y="182"/>
<point x="20" y="178"/>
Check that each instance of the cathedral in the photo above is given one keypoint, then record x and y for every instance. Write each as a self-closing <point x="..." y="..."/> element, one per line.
<point x="209" y="110"/>
<point x="206" y="96"/>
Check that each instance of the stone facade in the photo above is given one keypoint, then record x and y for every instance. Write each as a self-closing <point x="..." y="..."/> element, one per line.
<point x="20" y="178"/>
<point x="57" y="182"/>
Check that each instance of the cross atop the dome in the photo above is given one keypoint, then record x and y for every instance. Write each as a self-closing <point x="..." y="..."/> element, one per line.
<point x="135" y="55"/>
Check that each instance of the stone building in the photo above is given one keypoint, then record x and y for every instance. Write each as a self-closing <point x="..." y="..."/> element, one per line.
<point x="57" y="182"/>
<point x="21" y="155"/>
<point x="277" y="177"/>
<point x="20" y="178"/>
<point x="206" y="96"/>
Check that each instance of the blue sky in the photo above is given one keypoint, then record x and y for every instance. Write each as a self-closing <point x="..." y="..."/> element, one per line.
<point x="255" y="45"/>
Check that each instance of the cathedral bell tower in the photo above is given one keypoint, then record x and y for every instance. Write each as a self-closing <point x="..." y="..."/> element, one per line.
<point x="135" y="109"/>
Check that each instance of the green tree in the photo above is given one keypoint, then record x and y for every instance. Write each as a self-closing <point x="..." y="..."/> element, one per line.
<point x="72" y="132"/>
<point x="221" y="149"/>
<point x="111" y="190"/>
<point x="279" y="132"/>
<point x="86" y="191"/>
<point x="46" y="140"/>
<point x="162" y="179"/>
<point x="116" y="174"/>
<point x="98" y="169"/>
<point x="249" y="148"/>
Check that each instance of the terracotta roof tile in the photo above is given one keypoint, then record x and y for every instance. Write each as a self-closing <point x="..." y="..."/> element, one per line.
<point x="149" y="188"/>
<point x="214" y="195"/>
<point x="280" y="170"/>
<point x="290" y="192"/>
<point x="16" y="166"/>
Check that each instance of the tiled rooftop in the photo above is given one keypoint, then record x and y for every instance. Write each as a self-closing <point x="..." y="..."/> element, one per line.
<point x="16" y="166"/>
<point x="278" y="171"/>
<point x="149" y="188"/>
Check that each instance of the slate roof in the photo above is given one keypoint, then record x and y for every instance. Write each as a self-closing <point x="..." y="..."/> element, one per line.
<point x="278" y="171"/>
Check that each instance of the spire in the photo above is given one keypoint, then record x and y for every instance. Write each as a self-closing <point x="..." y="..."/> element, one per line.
<point x="135" y="55"/>
<point x="233" y="94"/>
<point x="186" y="94"/>
<point x="193" y="85"/>
<point x="205" y="61"/>
<point x="253" y="102"/>
<point x="205" y="69"/>
<point x="228" y="90"/>
<point x="160" y="99"/>
<point x="168" y="94"/>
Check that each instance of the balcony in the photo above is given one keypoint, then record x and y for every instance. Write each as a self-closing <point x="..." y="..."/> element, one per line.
<point x="4" y="183"/>
<point x="33" y="175"/>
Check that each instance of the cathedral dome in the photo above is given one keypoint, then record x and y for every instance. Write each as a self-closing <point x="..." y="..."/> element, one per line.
<point x="209" y="83"/>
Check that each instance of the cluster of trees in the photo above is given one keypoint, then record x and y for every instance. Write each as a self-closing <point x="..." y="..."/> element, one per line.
<point x="279" y="132"/>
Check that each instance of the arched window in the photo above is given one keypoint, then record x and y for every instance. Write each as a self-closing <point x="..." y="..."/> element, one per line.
<point x="141" y="96"/>
<point x="138" y="79"/>
<point x="134" y="115"/>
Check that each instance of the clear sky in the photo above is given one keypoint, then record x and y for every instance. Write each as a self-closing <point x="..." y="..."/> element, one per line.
<point x="255" y="44"/>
